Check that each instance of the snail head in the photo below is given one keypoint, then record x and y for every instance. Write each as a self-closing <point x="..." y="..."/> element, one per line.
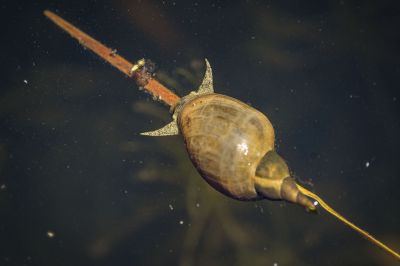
<point x="273" y="181"/>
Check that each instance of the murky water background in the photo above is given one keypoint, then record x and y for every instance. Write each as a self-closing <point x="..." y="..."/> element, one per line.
<point x="80" y="186"/>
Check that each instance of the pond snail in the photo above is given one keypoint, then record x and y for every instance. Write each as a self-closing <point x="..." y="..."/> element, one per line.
<point x="232" y="146"/>
<point x="230" y="143"/>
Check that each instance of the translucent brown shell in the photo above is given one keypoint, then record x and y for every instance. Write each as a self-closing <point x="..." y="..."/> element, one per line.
<point x="226" y="140"/>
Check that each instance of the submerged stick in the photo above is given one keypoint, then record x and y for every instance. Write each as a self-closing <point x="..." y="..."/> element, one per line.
<point x="135" y="71"/>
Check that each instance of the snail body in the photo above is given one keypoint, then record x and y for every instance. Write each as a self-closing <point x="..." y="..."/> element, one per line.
<point x="232" y="146"/>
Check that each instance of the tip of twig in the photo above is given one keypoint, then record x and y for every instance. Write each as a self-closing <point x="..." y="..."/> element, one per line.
<point x="50" y="15"/>
<point x="47" y="13"/>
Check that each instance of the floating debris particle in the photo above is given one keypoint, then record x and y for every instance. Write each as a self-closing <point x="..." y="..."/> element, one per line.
<point x="171" y="207"/>
<point x="50" y="234"/>
<point x="367" y="164"/>
<point x="113" y="52"/>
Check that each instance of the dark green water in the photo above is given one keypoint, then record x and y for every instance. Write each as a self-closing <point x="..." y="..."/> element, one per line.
<point x="80" y="186"/>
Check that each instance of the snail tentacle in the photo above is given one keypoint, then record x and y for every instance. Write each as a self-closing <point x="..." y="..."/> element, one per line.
<point x="170" y="129"/>
<point x="207" y="83"/>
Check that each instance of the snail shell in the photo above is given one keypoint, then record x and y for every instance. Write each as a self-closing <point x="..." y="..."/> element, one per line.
<point x="226" y="139"/>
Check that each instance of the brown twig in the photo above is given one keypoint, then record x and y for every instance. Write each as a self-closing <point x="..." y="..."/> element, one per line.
<point x="135" y="71"/>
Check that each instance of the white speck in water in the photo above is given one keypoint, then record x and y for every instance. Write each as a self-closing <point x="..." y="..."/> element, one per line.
<point x="367" y="164"/>
<point x="181" y="222"/>
<point x="50" y="234"/>
<point x="25" y="81"/>
<point x="197" y="205"/>
<point x="315" y="203"/>
<point x="171" y="207"/>
<point x="275" y="264"/>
